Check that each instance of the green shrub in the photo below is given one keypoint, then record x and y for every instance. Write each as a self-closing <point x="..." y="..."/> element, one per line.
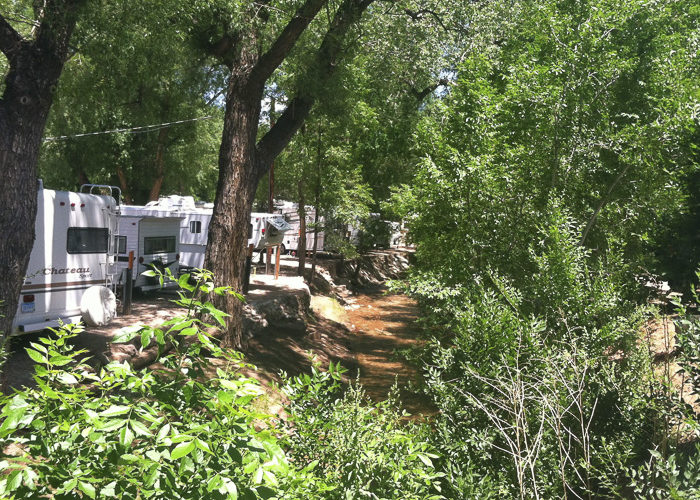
<point x="364" y="450"/>
<point x="185" y="430"/>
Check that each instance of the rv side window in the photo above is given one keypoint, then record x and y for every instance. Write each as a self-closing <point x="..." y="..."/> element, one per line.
<point x="87" y="240"/>
<point x="159" y="244"/>
<point x="120" y="244"/>
<point x="195" y="226"/>
<point x="250" y="231"/>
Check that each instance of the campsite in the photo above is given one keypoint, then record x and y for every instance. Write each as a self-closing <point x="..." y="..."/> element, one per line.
<point x="349" y="249"/>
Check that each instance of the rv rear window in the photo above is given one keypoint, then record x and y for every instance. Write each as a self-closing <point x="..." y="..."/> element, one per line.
<point x="159" y="244"/>
<point x="88" y="239"/>
<point x="120" y="244"/>
<point x="195" y="226"/>
<point x="250" y="231"/>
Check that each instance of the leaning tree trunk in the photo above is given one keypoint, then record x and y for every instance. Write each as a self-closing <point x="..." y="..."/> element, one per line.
<point x="34" y="69"/>
<point x="242" y="161"/>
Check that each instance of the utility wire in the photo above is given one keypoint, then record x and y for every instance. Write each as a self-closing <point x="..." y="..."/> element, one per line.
<point x="131" y="130"/>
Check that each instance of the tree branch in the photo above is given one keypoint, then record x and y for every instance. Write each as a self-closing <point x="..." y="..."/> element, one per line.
<point x="422" y="94"/>
<point x="271" y="59"/>
<point x="417" y="15"/>
<point x="327" y="56"/>
<point x="10" y="39"/>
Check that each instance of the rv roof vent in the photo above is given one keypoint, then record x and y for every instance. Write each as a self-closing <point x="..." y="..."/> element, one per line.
<point x="98" y="306"/>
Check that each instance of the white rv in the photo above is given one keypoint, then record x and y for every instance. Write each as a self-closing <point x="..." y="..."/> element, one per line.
<point x="71" y="266"/>
<point x="290" y="242"/>
<point x="153" y="235"/>
<point x="264" y="230"/>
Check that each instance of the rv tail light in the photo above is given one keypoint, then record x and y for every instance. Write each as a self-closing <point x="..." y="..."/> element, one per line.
<point x="72" y="204"/>
<point x="63" y="203"/>
<point x="263" y="230"/>
<point x="28" y="298"/>
<point x="82" y="205"/>
<point x="140" y="260"/>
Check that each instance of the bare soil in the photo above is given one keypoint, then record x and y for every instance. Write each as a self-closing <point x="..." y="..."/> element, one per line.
<point x="376" y="328"/>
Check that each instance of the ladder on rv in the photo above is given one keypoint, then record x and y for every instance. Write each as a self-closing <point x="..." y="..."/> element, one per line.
<point x="116" y="193"/>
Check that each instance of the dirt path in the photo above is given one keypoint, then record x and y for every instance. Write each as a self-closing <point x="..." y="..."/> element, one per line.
<point x="384" y="325"/>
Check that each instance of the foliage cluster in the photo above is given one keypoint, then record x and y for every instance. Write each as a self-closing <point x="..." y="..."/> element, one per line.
<point x="184" y="430"/>
<point x="362" y="448"/>
<point x="563" y="141"/>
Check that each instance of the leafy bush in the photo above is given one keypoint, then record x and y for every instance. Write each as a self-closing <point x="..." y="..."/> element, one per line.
<point x="185" y="430"/>
<point x="363" y="450"/>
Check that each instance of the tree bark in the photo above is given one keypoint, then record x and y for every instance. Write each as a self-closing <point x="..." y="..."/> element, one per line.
<point x="317" y="202"/>
<point x="301" y="242"/>
<point x="242" y="161"/>
<point x="160" y="165"/>
<point x="34" y="69"/>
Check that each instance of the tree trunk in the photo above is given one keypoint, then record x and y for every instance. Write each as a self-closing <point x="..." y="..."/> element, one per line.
<point x="160" y="165"/>
<point x="126" y="193"/>
<point x="228" y="230"/>
<point x="242" y="161"/>
<point x="34" y="70"/>
<point x="317" y="203"/>
<point x="301" y="242"/>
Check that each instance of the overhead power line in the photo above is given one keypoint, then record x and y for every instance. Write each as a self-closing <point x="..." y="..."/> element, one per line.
<point x="131" y="130"/>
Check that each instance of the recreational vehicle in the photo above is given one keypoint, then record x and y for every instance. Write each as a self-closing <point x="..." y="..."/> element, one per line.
<point x="290" y="212"/>
<point x="264" y="230"/>
<point x="153" y="235"/>
<point x="71" y="266"/>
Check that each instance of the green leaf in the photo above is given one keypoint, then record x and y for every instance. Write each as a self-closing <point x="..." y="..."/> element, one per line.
<point x="215" y="482"/>
<point x="67" y="378"/>
<point x="182" y="449"/>
<point x="183" y="282"/>
<point x="424" y="458"/>
<point x="14" y="480"/>
<point x="36" y="356"/>
<point x="139" y="428"/>
<point x="38" y="347"/>
<point x="12" y="418"/>
<point x="145" y="337"/>
<point x="109" y="490"/>
<point x="203" y="445"/>
<point x="60" y="360"/>
<point x="163" y="432"/>
<point x="115" y="410"/>
<point x="126" y="334"/>
<point x="87" y="488"/>
<point x="126" y="437"/>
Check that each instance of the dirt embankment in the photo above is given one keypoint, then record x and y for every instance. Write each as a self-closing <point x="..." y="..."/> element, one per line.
<point x="350" y="319"/>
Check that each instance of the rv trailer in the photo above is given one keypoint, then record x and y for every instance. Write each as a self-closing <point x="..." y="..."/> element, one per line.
<point x="290" y="212"/>
<point x="153" y="235"/>
<point x="71" y="267"/>
<point x="264" y="230"/>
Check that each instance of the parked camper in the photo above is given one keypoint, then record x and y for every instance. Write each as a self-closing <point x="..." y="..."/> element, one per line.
<point x="264" y="229"/>
<point x="71" y="266"/>
<point x="290" y="242"/>
<point x="154" y="237"/>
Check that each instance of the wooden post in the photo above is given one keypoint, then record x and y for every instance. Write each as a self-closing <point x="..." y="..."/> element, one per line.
<point x="277" y="262"/>
<point x="246" y="272"/>
<point x="126" y="308"/>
